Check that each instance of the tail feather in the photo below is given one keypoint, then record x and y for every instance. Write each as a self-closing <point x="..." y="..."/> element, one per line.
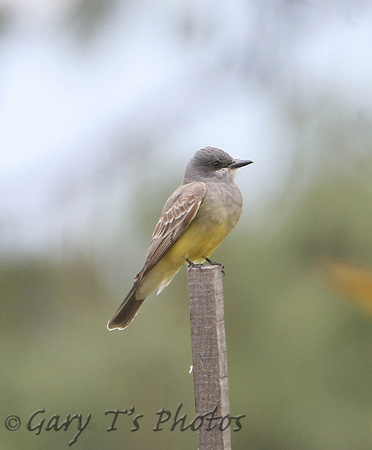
<point x="126" y="312"/>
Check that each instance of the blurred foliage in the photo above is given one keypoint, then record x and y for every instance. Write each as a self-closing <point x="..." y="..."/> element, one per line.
<point x="58" y="356"/>
<point x="85" y="17"/>
<point x="354" y="282"/>
<point x="5" y="19"/>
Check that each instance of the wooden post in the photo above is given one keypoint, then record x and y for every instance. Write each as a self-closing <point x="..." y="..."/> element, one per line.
<point x="208" y="342"/>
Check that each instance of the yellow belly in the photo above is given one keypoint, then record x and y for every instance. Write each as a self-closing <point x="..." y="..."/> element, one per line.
<point x="199" y="242"/>
<point x="196" y="244"/>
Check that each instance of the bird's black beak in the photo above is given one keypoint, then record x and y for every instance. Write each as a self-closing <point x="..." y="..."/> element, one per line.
<point x="240" y="163"/>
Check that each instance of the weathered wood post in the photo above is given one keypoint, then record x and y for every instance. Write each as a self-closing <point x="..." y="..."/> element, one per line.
<point x="208" y="341"/>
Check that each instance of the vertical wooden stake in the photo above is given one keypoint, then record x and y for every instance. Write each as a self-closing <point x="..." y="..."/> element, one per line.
<point x="208" y="342"/>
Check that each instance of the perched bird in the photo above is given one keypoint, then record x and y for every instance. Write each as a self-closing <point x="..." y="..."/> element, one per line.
<point x="195" y="220"/>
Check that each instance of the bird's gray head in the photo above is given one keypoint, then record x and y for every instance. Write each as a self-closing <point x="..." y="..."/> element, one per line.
<point x="211" y="163"/>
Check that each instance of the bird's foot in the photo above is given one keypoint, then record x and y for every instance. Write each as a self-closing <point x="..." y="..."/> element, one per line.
<point x="190" y="264"/>
<point x="214" y="263"/>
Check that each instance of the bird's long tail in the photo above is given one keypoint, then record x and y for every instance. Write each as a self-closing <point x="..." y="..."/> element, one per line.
<point x="126" y="312"/>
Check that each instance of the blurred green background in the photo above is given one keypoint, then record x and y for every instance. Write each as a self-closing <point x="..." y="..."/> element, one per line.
<point x="298" y="284"/>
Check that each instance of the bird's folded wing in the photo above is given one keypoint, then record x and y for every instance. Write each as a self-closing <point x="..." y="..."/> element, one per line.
<point x="178" y="212"/>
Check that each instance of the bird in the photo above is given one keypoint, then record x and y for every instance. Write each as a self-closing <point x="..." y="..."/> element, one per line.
<point x="195" y="220"/>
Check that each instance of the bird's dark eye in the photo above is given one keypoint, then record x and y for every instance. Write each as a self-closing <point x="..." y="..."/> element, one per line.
<point x="217" y="164"/>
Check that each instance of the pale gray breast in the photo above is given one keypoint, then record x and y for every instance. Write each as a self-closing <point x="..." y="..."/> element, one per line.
<point x="223" y="202"/>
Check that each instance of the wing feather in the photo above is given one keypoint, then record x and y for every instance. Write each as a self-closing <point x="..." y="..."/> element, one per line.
<point x="178" y="212"/>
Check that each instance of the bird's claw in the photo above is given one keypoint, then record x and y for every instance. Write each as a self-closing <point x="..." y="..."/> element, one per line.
<point x="191" y="264"/>
<point x="212" y="263"/>
<point x="215" y="263"/>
